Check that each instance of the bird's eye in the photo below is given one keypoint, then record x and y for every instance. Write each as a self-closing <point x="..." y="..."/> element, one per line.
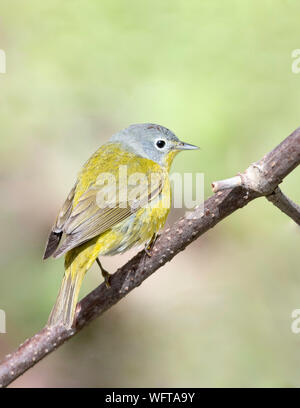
<point x="160" y="144"/>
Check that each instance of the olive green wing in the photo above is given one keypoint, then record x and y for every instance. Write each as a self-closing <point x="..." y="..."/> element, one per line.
<point x="102" y="207"/>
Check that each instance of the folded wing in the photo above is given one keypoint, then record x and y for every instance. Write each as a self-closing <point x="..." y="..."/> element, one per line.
<point x="99" y="208"/>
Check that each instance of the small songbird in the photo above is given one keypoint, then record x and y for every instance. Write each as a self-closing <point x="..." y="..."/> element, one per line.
<point x="108" y="218"/>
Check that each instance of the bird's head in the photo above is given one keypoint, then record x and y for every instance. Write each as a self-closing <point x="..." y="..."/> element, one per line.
<point x="151" y="141"/>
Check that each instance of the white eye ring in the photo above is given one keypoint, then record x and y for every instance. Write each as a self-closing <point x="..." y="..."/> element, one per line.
<point x="160" y="144"/>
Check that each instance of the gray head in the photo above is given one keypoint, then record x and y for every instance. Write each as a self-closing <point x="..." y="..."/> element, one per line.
<point x="151" y="141"/>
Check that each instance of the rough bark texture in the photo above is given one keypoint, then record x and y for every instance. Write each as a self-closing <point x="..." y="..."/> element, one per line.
<point x="262" y="179"/>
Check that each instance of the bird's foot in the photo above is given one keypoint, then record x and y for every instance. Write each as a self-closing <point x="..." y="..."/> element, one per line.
<point x="149" y="245"/>
<point x="106" y="275"/>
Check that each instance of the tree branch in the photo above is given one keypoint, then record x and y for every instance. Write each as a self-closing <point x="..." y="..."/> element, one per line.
<point x="285" y="204"/>
<point x="265" y="175"/>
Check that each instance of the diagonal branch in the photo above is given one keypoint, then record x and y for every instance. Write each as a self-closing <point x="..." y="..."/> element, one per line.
<point x="285" y="204"/>
<point x="265" y="175"/>
<point x="268" y="173"/>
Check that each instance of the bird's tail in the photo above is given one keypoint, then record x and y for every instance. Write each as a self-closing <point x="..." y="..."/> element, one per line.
<point x="63" y="311"/>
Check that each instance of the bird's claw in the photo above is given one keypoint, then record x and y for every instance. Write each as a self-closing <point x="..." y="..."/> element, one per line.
<point x="107" y="278"/>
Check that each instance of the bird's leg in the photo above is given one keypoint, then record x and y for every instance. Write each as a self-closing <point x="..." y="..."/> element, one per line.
<point x="149" y="245"/>
<point x="105" y="274"/>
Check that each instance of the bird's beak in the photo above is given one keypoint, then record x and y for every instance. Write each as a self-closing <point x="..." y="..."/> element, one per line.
<point x="186" y="146"/>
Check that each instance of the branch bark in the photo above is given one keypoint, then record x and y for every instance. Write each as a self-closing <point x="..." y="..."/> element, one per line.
<point x="285" y="204"/>
<point x="261" y="178"/>
<point x="265" y="175"/>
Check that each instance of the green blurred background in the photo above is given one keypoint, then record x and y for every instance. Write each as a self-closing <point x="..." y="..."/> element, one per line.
<point x="218" y="73"/>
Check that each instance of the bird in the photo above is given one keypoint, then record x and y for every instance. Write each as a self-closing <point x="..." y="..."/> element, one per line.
<point x="121" y="199"/>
